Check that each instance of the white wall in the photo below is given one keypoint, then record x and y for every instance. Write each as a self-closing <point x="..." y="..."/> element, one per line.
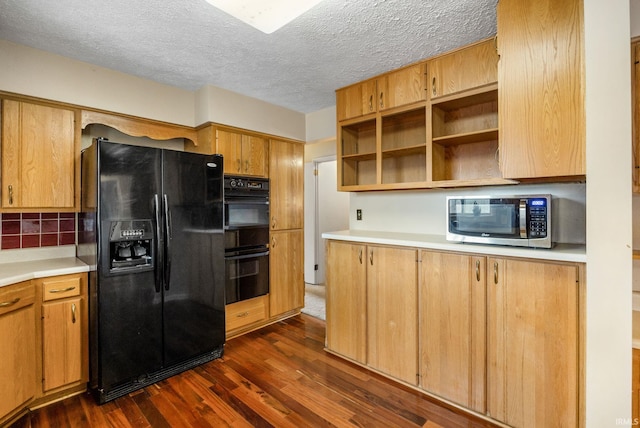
<point x="33" y="72"/>
<point x="609" y="223"/>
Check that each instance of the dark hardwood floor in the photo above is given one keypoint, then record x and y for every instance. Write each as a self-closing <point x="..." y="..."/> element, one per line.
<point x="278" y="376"/>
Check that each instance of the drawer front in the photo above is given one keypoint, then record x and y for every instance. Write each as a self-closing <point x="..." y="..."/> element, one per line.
<point x="16" y="296"/>
<point x="246" y="312"/>
<point x="60" y="287"/>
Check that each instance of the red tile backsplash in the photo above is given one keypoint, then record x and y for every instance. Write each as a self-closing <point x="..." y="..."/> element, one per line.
<point x="31" y="230"/>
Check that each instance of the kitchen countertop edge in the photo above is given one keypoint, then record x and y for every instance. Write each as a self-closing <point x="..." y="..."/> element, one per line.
<point x="560" y="252"/>
<point x="12" y="273"/>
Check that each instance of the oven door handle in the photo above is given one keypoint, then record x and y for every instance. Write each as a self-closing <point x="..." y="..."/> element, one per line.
<point x="247" y="256"/>
<point x="246" y="201"/>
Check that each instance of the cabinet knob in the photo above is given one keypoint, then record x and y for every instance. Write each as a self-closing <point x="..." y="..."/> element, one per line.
<point x="246" y="166"/>
<point x="239" y="163"/>
<point x="478" y="270"/>
<point x="495" y="272"/>
<point x="10" y="194"/>
<point x="433" y="87"/>
<point x="370" y="102"/>
<point x="360" y="255"/>
<point x="371" y="257"/>
<point x="73" y="313"/>
<point x="381" y="100"/>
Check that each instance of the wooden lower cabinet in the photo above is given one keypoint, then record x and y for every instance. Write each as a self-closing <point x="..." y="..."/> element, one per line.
<point x="64" y="332"/>
<point x="392" y="311"/>
<point x="246" y="312"/>
<point x="346" y="307"/>
<point x="286" y="275"/>
<point x="533" y="343"/>
<point x="498" y="336"/>
<point x="18" y="356"/>
<point x="452" y="327"/>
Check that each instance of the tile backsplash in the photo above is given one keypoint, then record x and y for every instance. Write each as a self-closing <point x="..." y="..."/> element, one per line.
<point x="33" y="230"/>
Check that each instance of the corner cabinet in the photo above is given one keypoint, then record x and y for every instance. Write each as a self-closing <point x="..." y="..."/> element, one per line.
<point x="286" y="194"/>
<point x="39" y="157"/>
<point x="18" y="338"/>
<point x="541" y="88"/>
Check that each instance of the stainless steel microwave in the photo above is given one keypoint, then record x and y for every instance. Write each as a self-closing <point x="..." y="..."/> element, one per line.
<point x="523" y="221"/>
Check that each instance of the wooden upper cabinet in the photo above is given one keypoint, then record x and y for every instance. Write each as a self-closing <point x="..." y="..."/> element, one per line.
<point x="40" y="150"/>
<point x="401" y="87"/>
<point x="356" y="100"/>
<point x="244" y="153"/>
<point x="541" y="88"/>
<point x="635" y="97"/>
<point x="286" y="185"/>
<point x="466" y="68"/>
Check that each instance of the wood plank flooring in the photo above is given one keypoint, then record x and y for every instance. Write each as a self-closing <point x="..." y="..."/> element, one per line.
<point x="278" y="376"/>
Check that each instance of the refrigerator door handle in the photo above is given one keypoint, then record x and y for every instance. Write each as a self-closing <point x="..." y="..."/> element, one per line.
<point x="167" y="243"/>
<point x="157" y="264"/>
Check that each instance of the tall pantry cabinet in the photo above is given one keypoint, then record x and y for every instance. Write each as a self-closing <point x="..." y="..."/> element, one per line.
<point x="286" y="263"/>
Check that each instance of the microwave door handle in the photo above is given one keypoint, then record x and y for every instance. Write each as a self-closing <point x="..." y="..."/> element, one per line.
<point x="523" y="218"/>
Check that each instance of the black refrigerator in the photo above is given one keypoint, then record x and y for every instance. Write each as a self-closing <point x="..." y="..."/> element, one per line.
<point x="152" y="226"/>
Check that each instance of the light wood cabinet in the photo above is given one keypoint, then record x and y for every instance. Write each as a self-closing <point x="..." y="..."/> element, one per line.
<point x="18" y="338"/>
<point x="357" y="100"/>
<point x="533" y="343"/>
<point x="402" y="87"/>
<point x="286" y="271"/>
<point x="286" y="184"/>
<point x="464" y="69"/>
<point x="346" y="303"/>
<point x="246" y="313"/>
<point x="64" y="332"/>
<point x="635" y="98"/>
<point x="392" y="311"/>
<point x="245" y="153"/>
<point x="453" y="327"/>
<point x="412" y="142"/>
<point x="40" y="150"/>
<point x="541" y="88"/>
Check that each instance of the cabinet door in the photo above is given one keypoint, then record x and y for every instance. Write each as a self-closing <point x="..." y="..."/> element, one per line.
<point x="18" y="338"/>
<point x="230" y="146"/>
<point x="346" y="299"/>
<point x="286" y="184"/>
<point x="402" y="87"/>
<point x="532" y="343"/>
<point x="541" y="88"/>
<point x="356" y="100"/>
<point x="452" y="327"/>
<point x="286" y="272"/>
<point x="62" y="343"/>
<point x="38" y="156"/>
<point x="392" y="312"/>
<point x="254" y="155"/>
<point x="467" y="68"/>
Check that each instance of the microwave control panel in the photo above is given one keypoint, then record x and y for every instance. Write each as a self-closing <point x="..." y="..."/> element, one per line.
<point x="537" y="218"/>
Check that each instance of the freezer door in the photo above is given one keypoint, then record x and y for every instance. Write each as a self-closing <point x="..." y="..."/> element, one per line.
<point x="127" y="317"/>
<point x="194" y="257"/>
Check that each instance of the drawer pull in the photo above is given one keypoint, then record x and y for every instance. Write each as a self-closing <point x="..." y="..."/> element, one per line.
<point x="10" y="303"/>
<point x="62" y="290"/>
<point x="243" y="314"/>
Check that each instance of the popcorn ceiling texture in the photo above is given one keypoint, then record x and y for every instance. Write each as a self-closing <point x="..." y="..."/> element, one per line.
<point x="189" y="44"/>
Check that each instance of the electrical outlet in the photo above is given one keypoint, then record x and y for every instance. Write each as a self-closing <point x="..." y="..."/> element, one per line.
<point x="358" y="214"/>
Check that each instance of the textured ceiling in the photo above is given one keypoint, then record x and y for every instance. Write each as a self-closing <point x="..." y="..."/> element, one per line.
<point x="189" y="44"/>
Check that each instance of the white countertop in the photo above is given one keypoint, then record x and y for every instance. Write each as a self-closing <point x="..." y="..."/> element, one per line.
<point x="11" y="273"/>
<point x="560" y="252"/>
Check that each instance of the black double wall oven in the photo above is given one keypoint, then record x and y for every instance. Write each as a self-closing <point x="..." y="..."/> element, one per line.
<point x="246" y="213"/>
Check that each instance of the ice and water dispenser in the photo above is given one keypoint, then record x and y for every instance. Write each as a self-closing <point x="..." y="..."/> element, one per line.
<point x="131" y="245"/>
